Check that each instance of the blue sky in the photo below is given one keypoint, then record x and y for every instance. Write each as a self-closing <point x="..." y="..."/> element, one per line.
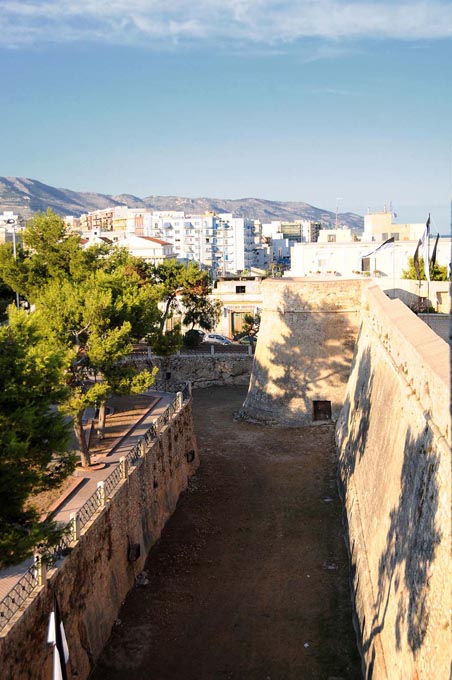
<point x="291" y="100"/>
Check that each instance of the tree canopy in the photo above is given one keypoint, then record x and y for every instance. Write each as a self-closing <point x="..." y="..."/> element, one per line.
<point x="90" y="305"/>
<point x="33" y="437"/>
<point x="437" y="272"/>
<point x="183" y="290"/>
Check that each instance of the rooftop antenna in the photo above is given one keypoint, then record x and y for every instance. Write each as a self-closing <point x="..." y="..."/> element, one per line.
<point x="337" y="208"/>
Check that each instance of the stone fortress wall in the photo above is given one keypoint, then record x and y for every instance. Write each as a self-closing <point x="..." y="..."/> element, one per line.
<point x="391" y="401"/>
<point x="94" y="579"/>
<point x="394" y="443"/>
<point x="306" y="340"/>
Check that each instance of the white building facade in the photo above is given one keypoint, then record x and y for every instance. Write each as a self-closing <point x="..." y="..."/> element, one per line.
<point x="222" y="243"/>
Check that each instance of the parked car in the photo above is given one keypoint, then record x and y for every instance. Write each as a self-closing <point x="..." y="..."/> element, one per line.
<point x="248" y="340"/>
<point x="216" y="339"/>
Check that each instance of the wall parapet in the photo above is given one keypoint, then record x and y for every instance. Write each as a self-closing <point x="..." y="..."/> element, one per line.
<point x="418" y="354"/>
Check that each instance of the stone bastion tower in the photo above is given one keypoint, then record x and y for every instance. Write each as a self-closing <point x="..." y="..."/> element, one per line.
<point x="304" y="354"/>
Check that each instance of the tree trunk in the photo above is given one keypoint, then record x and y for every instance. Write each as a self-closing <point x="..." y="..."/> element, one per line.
<point x="81" y="440"/>
<point x="101" y="418"/>
<point x="166" y="314"/>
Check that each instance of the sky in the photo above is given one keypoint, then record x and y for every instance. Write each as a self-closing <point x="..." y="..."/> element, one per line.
<point x="338" y="104"/>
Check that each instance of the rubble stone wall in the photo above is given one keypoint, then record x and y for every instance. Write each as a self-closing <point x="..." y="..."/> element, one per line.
<point x="203" y="370"/>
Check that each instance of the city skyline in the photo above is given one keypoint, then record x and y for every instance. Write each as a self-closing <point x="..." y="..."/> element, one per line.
<point x="331" y="103"/>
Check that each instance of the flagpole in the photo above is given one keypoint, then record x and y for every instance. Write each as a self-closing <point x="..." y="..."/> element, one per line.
<point x="393" y="273"/>
<point x="428" y="263"/>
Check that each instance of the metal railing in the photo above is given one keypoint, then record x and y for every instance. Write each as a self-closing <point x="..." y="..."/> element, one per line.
<point x="17" y="595"/>
<point x="30" y="580"/>
<point x="113" y="480"/>
<point x="89" y="508"/>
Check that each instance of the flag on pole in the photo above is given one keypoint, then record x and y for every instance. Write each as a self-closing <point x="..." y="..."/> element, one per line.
<point x="57" y="637"/>
<point x="387" y="244"/>
<point x="433" y="257"/>
<point x="423" y="242"/>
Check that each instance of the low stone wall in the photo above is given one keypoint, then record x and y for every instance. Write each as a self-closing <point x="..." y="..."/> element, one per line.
<point x="203" y="370"/>
<point x="393" y="439"/>
<point x="92" y="582"/>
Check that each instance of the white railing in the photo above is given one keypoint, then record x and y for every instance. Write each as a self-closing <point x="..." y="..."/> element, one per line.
<point x="34" y="575"/>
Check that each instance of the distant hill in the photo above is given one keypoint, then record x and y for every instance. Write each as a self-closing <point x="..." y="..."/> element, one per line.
<point x="27" y="196"/>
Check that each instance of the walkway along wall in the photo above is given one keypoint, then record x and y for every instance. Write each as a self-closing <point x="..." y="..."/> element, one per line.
<point x="304" y="354"/>
<point x="393" y="439"/>
<point x="93" y="580"/>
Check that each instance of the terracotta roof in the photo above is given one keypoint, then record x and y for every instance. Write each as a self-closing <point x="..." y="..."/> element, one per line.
<point x="155" y="240"/>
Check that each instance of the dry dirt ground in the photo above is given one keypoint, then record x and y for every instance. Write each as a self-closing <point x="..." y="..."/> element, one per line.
<point x="249" y="580"/>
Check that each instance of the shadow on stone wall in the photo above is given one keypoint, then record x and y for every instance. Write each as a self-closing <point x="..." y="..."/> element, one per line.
<point x="410" y="545"/>
<point x="405" y="564"/>
<point x="360" y="402"/>
<point x="296" y="366"/>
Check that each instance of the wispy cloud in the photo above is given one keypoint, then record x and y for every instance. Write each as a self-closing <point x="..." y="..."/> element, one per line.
<point x="264" y="22"/>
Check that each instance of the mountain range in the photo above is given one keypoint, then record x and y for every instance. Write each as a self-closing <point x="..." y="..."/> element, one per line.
<point x="28" y="196"/>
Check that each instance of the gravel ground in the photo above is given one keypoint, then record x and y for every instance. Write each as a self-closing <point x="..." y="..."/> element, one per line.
<point x="249" y="580"/>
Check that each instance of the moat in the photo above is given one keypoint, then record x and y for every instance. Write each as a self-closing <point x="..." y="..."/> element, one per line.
<point x="249" y="580"/>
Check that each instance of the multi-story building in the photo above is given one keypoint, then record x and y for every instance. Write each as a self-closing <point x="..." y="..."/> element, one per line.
<point x="222" y="243"/>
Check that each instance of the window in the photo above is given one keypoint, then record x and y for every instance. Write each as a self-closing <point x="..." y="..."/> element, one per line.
<point x="240" y="289"/>
<point x="331" y="238"/>
<point x="321" y="410"/>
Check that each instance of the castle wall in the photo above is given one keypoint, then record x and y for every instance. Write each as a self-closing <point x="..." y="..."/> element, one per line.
<point x="393" y="439"/>
<point x="92" y="582"/>
<point x="305" y="349"/>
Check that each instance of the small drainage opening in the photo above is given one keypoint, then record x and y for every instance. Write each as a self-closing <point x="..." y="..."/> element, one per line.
<point x="321" y="410"/>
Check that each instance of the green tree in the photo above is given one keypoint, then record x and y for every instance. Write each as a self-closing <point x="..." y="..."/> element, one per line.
<point x="183" y="289"/>
<point x="199" y="309"/>
<point x="49" y="251"/>
<point x="92" y="302"/>
<point x="251" y="324"/>
<point x="437" y="272"/>
<point x="33" y="436"/>
<point x="96" y="320"/>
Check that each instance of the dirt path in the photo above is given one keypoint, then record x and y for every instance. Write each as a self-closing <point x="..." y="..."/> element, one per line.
<point x="250" y="578"/>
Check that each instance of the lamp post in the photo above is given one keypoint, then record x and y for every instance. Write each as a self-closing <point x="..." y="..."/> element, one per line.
<point x="337" y="210"/>
<point x="13" y="223"/>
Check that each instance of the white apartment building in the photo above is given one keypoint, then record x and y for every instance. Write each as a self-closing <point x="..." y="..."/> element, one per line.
<point x="222" y="243"/>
